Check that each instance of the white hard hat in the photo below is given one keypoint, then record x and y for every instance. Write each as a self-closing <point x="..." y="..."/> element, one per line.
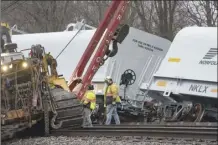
<point x="108" y="78"/>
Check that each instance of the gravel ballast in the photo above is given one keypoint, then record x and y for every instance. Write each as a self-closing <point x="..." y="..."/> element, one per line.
<point x="130" y="140"/>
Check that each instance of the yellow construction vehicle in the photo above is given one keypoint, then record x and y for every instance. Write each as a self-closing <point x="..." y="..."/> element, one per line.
<point x="32" y="92"/>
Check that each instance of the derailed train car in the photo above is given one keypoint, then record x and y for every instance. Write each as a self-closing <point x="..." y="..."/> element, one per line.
<point x="186" y="81"/>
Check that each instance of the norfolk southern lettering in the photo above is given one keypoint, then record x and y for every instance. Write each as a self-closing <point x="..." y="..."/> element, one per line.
<point x="208" y="62"/>
<point x="208" y="56"/>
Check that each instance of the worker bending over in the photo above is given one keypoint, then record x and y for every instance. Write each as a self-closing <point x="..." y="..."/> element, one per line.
<point x="111" y="100"/>
<point x="89" y="102"/>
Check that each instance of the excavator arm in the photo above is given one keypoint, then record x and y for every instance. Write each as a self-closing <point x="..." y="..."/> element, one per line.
<point x="115" y="32"/>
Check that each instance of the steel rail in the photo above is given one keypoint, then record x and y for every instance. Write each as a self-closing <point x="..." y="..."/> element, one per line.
<point x="175" y="124"/>
<point x="136" y="130"/>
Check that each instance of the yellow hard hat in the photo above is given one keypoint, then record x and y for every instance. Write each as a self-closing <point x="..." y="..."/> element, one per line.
<point x="4" y="24"/>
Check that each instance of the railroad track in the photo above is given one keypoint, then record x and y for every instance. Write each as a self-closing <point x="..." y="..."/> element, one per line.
<point x="164" y="130"/>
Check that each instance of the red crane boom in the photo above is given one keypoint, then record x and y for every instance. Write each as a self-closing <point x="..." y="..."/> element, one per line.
<point x="113" y="17"/>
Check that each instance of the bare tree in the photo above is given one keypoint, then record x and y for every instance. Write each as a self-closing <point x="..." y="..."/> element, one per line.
<point x="157" y="17"/>
<point x="165" y="12"/>
<point x="144" y="10"/>
<point x="163" y="18"/>
<point x="130" y="17"/>
<point x="46" y="16"/>
<point x="91" y="11"/>
<point x="202" y="13"/>
<point x="42" y="16"/>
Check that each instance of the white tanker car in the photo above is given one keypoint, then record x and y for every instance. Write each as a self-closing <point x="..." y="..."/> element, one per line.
<point x="186" y="81"/>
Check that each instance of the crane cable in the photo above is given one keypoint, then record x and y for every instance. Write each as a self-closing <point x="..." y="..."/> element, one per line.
<point x="70" y="40"/>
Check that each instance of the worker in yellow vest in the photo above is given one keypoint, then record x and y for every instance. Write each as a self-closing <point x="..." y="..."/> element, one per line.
<point x="111" y="98"/>
<point x="89" y="103"/>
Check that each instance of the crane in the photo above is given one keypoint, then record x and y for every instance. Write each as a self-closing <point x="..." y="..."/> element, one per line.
<point x="114" y="32"/>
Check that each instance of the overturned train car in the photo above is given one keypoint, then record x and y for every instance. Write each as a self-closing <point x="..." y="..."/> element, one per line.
<point x="186" y="81"/>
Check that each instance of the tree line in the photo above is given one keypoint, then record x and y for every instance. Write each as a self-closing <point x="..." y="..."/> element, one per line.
<point x="162" y="18"/>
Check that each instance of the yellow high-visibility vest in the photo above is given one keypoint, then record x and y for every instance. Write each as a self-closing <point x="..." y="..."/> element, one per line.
<point x="112" y="90"/>
<point x="90" y="97"/>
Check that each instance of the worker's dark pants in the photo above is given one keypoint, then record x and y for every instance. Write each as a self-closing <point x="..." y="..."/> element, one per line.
<point x="87" y="122"/>
<point x="111" y="111"/>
